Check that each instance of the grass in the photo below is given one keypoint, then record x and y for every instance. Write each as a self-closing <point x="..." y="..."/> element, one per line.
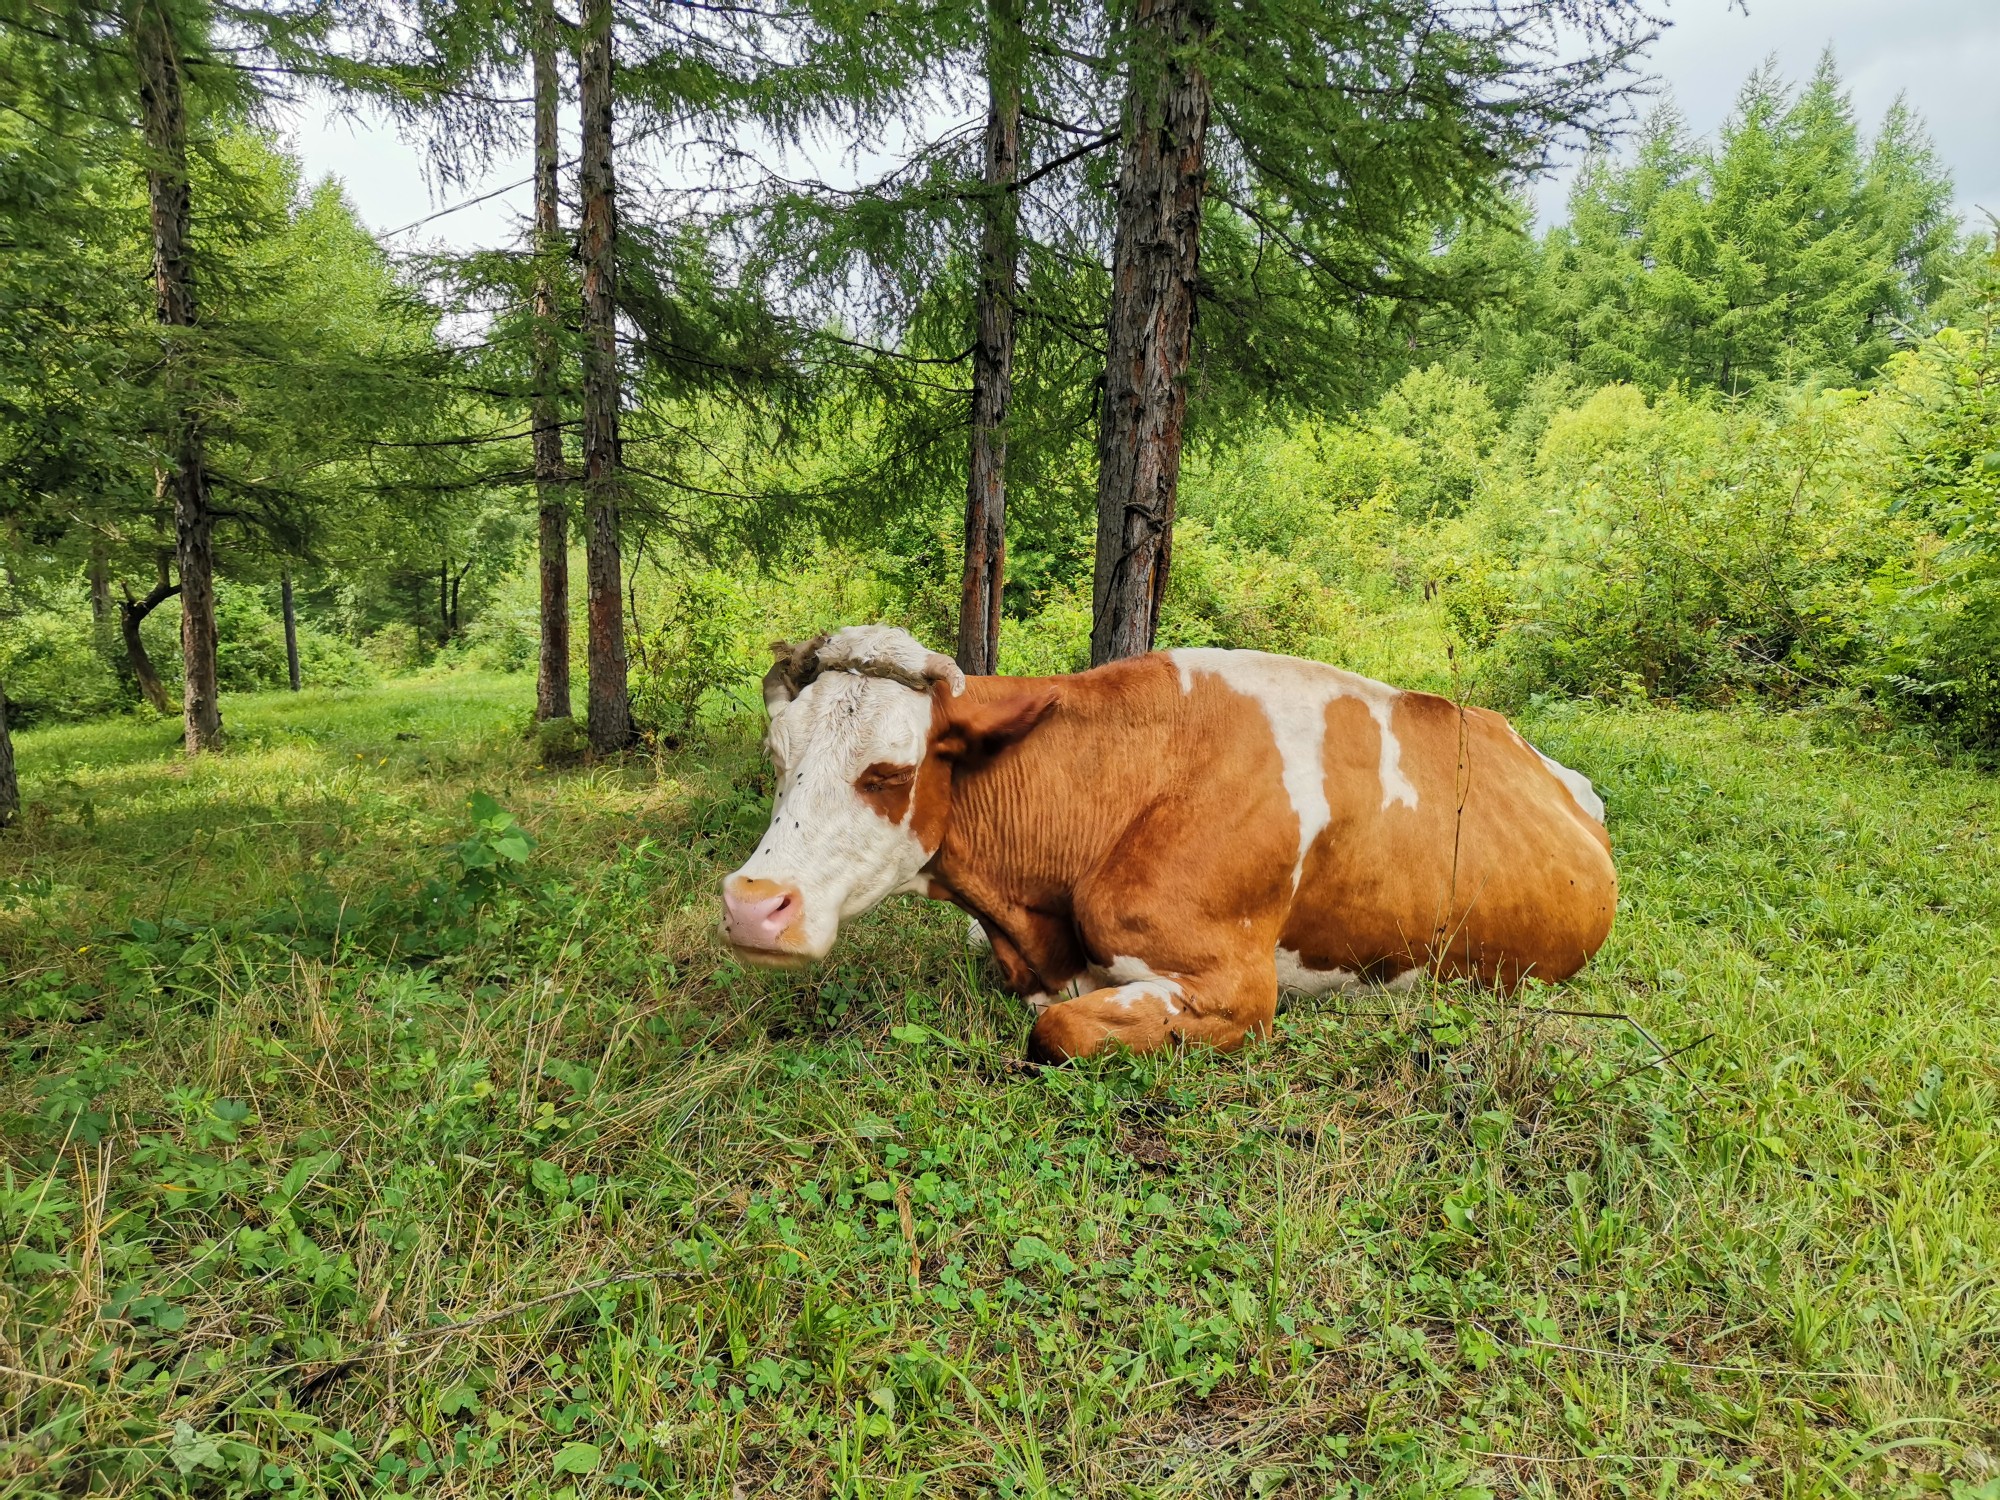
<point x="352" y="1148"/>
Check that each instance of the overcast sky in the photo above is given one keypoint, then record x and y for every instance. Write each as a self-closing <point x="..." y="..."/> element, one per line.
<point x="1944" y="55"/>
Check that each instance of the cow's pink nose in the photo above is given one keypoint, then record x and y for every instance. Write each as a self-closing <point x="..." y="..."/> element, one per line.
<point x="757" y="913"/>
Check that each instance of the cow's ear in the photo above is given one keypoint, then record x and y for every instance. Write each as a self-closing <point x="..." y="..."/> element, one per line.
<point x="974" y="728"/>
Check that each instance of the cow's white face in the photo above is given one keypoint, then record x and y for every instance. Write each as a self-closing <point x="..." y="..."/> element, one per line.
<point x="858" y="813"/>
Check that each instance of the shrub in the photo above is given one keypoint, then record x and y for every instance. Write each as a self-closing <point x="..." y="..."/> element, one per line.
<point x="1941" y="634"/>
<point x="55" y="663"/>
<point x="1246" y="600"/>
<point x="699" y="649"/>
<point x="1678" y="549"/>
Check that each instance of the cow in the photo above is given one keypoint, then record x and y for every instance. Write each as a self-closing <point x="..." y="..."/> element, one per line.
<point x="1154" y="848"/>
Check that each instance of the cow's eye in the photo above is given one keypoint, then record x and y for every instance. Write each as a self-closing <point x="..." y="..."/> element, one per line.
<point x="884" y="780"/>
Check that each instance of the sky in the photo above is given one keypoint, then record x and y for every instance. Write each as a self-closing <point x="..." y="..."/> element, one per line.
<point x="1943" y="55"/>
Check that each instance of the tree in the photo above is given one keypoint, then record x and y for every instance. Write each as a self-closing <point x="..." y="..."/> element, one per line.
<point x="158" y="48"/>
<point x="1788" y="248"/>
<point x="985" y="561"/>
<point x="1157" y="251"/>
<point x="10" y="786"/>
<point x="609" y="704"/>
<point x="1348" y="137"/>
<point x="551" y="474"/>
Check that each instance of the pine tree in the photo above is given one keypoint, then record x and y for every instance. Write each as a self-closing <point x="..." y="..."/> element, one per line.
<point x="1162" y="172"/>
<point x="158" y="46"/>
<point x="10" y="786"/>
<point x="1788" y="248"/>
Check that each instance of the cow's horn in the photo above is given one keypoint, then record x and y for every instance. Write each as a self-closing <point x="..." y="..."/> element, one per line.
<point x="797" y="664"/>
<point x="879" y="651"/>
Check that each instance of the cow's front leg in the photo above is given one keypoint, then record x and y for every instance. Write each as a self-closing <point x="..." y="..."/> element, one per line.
<point x="1145" y="1014"/>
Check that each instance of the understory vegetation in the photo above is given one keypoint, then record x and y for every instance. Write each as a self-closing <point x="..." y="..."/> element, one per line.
<point x="368" y="1138"/>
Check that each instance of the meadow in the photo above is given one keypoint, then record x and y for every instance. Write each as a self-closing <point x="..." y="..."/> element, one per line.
<point x="380" y="1117"/>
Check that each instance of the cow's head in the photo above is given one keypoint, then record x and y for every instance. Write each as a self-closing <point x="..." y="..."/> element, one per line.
<point x="866" y="728"/>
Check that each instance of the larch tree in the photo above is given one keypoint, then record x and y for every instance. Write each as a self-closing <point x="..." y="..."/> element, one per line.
<point x="1150" y="330"/>
<point x="985" y="561"/>
<point x="159" y="45"/>
<point x="1344" y="138"/>
<point x="552" y="698"/>
<point x="609" y="711"/>
<point x="10" y="785"/>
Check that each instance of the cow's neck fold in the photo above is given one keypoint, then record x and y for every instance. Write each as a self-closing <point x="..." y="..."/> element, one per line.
<point x="1028" y="826"/>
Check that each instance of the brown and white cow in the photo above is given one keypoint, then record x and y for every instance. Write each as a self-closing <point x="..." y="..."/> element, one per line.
<point x="1155" y="847"/>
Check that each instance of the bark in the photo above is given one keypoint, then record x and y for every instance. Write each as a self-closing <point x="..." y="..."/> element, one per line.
<point x="163" y="110"/>
<point x="103" y="608"/>
<point x="10" y="787"/>
<point x="552" y="676"/>
<point x="100" y="585"/>
<point x="610" y="712"/>
<point x="291" y="627"/>
<point x="1155" y="259"/>
<point x="993" y="352"/>
<point x="131" y="615"/>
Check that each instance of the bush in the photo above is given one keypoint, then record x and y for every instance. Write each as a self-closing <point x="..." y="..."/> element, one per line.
<point x="1941" y="648"/>
<point x="1247" y="600"/>
<point x="250" y="646"/>
<point x="1940" y="665"/>
<point x="1678" y="549"/>
<point x="699" y="649"/>
<point x="54" y="662"/>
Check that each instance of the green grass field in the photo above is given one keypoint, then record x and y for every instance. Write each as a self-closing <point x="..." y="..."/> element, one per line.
<point x="354" y="1148"/>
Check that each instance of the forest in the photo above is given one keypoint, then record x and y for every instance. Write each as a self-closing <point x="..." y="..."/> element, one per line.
<point x="379" y="658"/>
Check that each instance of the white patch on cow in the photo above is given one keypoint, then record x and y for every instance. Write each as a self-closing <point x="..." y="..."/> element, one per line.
<point x="1135" y="980"/>
<point x="1295" y="976"/>
<point x="1294" y="695"/>
<point x="1579" y="786"/>
<point x="975" y="934"/>
<point x="1127" y="995"/>
<point x="824" y="840"/>
<point x="1040" y="1001"/>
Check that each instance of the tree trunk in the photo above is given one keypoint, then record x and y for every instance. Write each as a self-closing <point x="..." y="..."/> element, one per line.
<point x="444" y="603"/>
<point x="291" y="627"/>
<point x="100" y="586"/>
<point x="610" y="711"/>
<point x="131" y="615"/>
<point x="552" y="676"/>
<point x="10" y="787"/>
<point x="993" y="353"/>
<point x="163" y="107"/>
<point x="103" y="608"/>
<point x="1154" y="261"/>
